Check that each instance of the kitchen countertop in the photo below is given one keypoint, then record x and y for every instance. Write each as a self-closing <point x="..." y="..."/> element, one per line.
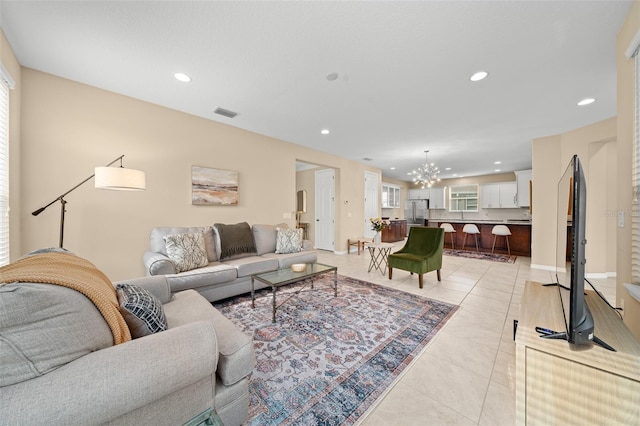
<point x="487" y="221"/>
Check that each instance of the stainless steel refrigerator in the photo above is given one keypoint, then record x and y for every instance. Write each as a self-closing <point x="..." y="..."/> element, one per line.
<point x="416" y="213"/>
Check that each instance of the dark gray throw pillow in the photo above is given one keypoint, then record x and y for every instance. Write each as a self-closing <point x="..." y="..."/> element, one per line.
<point x="235" y="240"/>
<point x="141" y="310"/>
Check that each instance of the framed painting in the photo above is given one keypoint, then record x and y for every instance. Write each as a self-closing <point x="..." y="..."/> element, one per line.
<point x="213" y="186"/>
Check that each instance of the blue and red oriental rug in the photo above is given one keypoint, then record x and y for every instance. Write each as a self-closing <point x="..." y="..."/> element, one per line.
<point x="328" y="359"/>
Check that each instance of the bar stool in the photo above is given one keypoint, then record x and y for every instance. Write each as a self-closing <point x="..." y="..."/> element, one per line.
<point x="502" y="231"/>
<point x="449" y="229"/>
<point x="472" y="229"/>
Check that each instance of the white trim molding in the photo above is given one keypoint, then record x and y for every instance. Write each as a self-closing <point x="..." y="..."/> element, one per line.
<point x="632" y="50"/>
<point x="4" y="75"/>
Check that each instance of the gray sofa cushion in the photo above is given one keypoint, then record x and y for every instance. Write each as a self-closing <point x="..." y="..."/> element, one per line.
<point x="45" y="326"/>
<point x="235" y="240"/>
<point x="213" y="273"/>
<point x="247" y="266"/>
<point x="265" y="237"/>
<point x="157" y="244"/>
<point x="286" y="260"/>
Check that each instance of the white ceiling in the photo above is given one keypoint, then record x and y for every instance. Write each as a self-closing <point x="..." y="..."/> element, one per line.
<point x="403" y="69"/>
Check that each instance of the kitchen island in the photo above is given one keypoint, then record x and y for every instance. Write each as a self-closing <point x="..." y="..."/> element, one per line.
<point x="395" y="230"/>
<point x="519" y="240"/>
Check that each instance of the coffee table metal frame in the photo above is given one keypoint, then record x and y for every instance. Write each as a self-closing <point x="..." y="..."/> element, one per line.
<point x="285" y="276"/>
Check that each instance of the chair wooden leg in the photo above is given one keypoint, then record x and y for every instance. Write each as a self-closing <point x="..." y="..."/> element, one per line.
<point x="420" y="280"/>
<point x="508" y="248"/>
<point x="438" y="271"/>
<point x="477" y="249"/>
<point x="494" y="243"/>
<point x="390" y="272"/>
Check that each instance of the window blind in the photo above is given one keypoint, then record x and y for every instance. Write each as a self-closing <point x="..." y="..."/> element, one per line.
<point x="5" y="82"/>
<point x="635" y="177"/>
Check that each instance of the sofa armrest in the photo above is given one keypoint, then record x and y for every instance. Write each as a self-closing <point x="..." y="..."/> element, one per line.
<point x="307" y="245"/>
<point x="158" y="264"/>
<point x="156" y="285"/>
<point x="108" y="383"/>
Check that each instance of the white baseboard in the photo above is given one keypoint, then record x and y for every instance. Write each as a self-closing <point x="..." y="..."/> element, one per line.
<point x="594" y="275"/>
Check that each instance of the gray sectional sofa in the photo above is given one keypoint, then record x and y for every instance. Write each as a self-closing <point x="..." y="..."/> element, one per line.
<point x="224" y="275"/>
<point x="201" y="363"/>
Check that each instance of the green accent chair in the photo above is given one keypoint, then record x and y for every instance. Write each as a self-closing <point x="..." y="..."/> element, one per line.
<point x="421" y="253"/>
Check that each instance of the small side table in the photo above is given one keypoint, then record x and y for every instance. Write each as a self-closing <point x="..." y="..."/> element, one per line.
<point x="379" y="255"/>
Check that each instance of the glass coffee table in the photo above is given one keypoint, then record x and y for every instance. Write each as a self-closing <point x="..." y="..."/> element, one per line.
<point x="285" y="276"/>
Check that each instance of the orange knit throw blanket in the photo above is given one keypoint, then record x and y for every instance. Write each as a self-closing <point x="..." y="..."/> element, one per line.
<point x="76" y="273"/>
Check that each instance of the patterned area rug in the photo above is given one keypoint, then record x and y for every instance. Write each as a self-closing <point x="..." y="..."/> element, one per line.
<point x="327" y="359"/>
<point x="504" y="258"/>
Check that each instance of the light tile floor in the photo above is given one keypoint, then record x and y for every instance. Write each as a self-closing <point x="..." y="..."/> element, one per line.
<point x="466" y="375"/>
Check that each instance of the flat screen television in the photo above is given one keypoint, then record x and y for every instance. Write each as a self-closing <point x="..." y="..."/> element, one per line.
<point x="570" y="275"/>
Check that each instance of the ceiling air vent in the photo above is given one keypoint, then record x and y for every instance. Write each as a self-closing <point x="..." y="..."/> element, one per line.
<point x="225" y="112"/>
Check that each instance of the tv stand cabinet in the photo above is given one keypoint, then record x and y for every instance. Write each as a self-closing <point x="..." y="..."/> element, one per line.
<point x="562" y="384"/>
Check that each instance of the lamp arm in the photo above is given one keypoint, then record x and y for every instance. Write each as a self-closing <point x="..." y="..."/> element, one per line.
<point x="60" y="198"/>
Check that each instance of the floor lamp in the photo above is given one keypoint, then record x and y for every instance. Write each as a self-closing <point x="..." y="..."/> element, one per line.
<point x="115" y="178"/>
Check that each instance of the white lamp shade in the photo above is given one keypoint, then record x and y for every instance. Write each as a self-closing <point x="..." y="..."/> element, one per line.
<point x="119" y="178"/>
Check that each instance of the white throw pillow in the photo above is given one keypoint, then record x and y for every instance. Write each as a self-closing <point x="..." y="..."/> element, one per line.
<point x="187" y="251"/>
<point x="288" y="240"/>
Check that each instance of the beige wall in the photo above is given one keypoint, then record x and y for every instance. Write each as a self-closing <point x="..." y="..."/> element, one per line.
<point x="10" y="62"/>
<point x="625" y="99"/>
<point x="68" y="128"/>
<point x="595" y="145"/>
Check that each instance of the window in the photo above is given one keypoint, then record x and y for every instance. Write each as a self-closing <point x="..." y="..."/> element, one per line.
<point x="6" y="83"/>
<point x="463" y="198"/>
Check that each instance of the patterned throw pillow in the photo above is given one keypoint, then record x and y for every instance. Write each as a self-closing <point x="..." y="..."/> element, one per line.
<point x="141" y="310"/>
<point x="187" y="251"/>
<point x="288" y="240"/>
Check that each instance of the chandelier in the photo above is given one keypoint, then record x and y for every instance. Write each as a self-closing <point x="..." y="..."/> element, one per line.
<point x="426" y="174"/>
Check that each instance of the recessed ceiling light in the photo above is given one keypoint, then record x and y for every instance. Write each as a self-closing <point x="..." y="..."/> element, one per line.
<point x="182" y="77"/>
<point x="586" y="101"/>
<point x="455" y="174"/>
<point x="325" y="131"/>
<point x="447" y="168"/>
<point x="392" y="168"/>
<point x="497" y="162"/>
<point x="480" y="75"/>
<point x="496" y="170"/>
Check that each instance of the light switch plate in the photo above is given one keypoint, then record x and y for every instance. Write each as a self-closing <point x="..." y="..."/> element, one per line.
<point x="620" y="219"/>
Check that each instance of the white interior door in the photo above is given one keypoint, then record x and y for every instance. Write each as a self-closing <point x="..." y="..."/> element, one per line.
<point x="325" y="209"/>
<point x="371" y="203"/>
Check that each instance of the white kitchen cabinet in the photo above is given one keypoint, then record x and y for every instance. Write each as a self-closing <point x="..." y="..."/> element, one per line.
<point x="390" y="196"/>
<point x="523" y="179"/>
<point x="437" y="198"/>
<point x="499" y="195"/>
<point x="508" y="195"/>
<point x="490" y="196"/>
<point x="419" y="194"/>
